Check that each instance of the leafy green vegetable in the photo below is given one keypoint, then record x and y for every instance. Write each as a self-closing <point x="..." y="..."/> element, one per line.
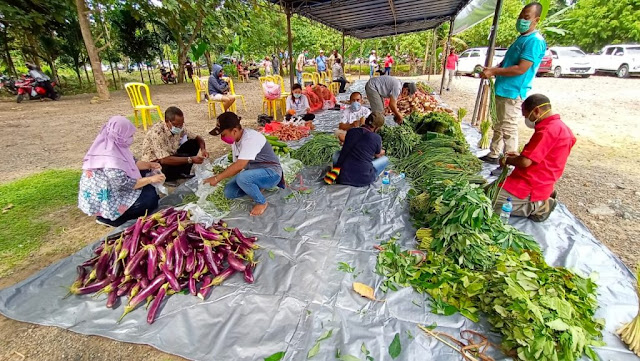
<point x="318" y="150"/>
<point x="395" y="348"/>
<point x="271" y="254"/>
<point x="399" y="141"/>
<point x="314" y="350"/>
<point x="275" y="357"/>
<point x="348" y="358"/>
<point x="345" y="267"/>
<point x="325" y="336"/>
<point x="366" y="352"/>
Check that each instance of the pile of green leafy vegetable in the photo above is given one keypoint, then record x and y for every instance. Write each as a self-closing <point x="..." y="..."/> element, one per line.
<point x="318" y="150"/>
<point x="544" y="313"/>
<point x="436" y="122"/>
<point x="399" y="141"/>
<point x="470" y="262"/>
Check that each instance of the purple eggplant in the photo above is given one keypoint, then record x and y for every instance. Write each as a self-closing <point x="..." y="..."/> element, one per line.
<point x="192" y="285"/>
<point x="135" y="236"/>
<point x="236" y="263"/>
<point x="185" y="248"/>
<point x="205" y="288"/>
<point x="165" y="235"/>
<point x="170" y="256"/>
<point x="224" y="275"/>
<point x="179" y="260"/>
<point x="171" y="278"/>
<point x="124" y="288"/>
<point x="152" y="261"/>
<point x="155" y="305"/>
<point x="154" y="234"/>
<point x="103" y="265"/>
<point x="142" y="295"/>
<point x="146" y="227"/>
<point x="161" y="254"/>
<point x="245" y="240"/>
<point x="91" y="288"/>
<point x="200" y="265"/>
<point x="112" y="298"/>
<point x="135" y="261"/>
<point x="91" y="261"/>
<point x="248" y="273"/>
<point x="139" y="272"/>
<point x="190" y="263"/>
<point x="171" y="219"/>
<point x="206" y="234"/>
<point x="144" y="283"/>
<point x="208" y="258"/>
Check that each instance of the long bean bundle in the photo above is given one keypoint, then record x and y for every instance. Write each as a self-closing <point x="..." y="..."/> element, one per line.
<point x="399" y="141"/>
<point x="317" y="151"/>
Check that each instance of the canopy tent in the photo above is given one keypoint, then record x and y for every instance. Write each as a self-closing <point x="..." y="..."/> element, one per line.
<point x="473" y="13"/>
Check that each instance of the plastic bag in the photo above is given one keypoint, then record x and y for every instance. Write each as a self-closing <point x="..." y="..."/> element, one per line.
<point x="160" y="188"/>
<point x="271" y="90"/>
<point x="290" y="167"/>
<point x="203" y="190"/>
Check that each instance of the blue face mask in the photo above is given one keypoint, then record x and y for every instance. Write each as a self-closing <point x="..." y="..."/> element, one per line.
<point x="175" y="130"/>
<point x="355" y="106"/>
<point x="297" y="95"/>
<point x="523" y="25"/>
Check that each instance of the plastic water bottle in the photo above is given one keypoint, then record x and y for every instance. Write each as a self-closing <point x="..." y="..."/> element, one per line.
<point x="506" y="211"/>
<point x="397" y="177"/>
<point x="385" y="181"/>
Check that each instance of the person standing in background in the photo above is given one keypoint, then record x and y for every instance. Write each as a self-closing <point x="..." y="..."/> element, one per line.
<point x="189" y="67"/>
<point x="452" y="65"/>
<point x="513" y="80"/>
<point x="275" y="62"/>
<point x="388" y="61"/>
<point x="321" y="62"/>
<point x="267" y="66"/>
<point x="300" y="65"/>
<point x="373" y="63"/>
<point x="332" y="59"/>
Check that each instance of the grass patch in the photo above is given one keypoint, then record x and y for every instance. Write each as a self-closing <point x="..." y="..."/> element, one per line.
<point x="154" y="118"/>
<point x="25" y="204"/>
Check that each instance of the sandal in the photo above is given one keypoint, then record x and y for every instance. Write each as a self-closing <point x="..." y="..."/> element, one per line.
<point x="544" y="213"/>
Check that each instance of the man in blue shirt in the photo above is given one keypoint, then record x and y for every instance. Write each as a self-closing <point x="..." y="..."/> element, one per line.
<point x="321" y="62"/>
<point x="513" y="81"/>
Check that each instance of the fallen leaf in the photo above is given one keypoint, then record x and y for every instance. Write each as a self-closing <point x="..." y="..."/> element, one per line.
<point x="290" y="229"/>
<point x="395" y="348"/>
<point x="7" y="208"/>
<point x="314" y="350"/>
<point x="348" y="358"/>
<point x="364" y="290"/>
<point x="271" y="255"/>
<point x="275" y="357"/>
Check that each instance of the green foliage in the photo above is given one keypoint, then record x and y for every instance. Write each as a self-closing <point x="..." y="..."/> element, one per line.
<point x="27" y="203"/>
<point x="478" y="35"/>
<point x="398" y="141"/>
<point x="135" y="39"/>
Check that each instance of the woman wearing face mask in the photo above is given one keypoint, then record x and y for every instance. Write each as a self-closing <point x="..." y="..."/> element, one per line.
<point x="219" y="89"/>
<point x="255" y="166"/>
<point x="298" y="104"/>
<point x="541" y="163"/>
<point x="111" y="187"/>
<point x="352" y="115"/>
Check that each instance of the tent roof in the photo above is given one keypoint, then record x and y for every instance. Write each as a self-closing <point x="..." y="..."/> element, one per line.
<point x="375" y="18"/>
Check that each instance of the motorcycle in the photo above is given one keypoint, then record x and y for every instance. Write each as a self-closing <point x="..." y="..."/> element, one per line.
<point x="254" y="73"/>
<point x="9" y="84"/>
<point x="29" y="87"/>
<point x="168" y="76"/>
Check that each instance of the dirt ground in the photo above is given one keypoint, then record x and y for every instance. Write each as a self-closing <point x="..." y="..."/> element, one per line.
<point x="601" y="184"/>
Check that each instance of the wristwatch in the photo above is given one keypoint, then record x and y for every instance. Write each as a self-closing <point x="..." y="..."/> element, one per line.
<point x="189" y="160"/>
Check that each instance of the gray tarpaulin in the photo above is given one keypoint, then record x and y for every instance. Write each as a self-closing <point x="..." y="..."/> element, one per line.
<point x="472" y="14"/>
<point x="300" y="294"/>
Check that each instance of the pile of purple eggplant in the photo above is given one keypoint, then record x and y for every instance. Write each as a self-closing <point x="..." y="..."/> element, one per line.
<point x="164" y="254"/>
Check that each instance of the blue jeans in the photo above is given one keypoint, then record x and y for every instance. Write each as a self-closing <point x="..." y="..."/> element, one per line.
<point x="299" y="76"/>
<point x="250" y="181"/>
<point x="379" y="164"/>
<point x="371" y="70"/>
<point x="147" y="202"/>
<point x="387" y="70"/>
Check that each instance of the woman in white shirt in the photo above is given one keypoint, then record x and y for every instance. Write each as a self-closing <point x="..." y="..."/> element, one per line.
<point x="352" y="114"/>
<point x="373" y="63"/>
<point x="298" y="104"/>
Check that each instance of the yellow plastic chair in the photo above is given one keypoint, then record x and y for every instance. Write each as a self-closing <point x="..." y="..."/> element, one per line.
<point x="200" y="91"/>
<point x="324" y="78"/>
<point x="142" y="103"/>
<point x="329" y="75"/>
<point x="211" y="104"/>
<point x="334" y="87"/>
<point x="308" y="78"/>
<point x="283" y="93"/>
<point x="270" y="105"/>
<point x="232" y="90"/>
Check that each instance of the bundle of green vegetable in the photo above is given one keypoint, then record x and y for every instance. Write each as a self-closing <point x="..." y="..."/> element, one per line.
<point x="424" y="87"/>
<point x="493" y="190"/>
<point x="318" y="150"/>
<point x="543" y="313"/>
<point x="280" y="148"/>
<point x="164" y="254"/>
<point x="630" y="332"/>
<point x="493" y="117"/>
<point x="437" y="122"/>
<point x="399" y="141"/>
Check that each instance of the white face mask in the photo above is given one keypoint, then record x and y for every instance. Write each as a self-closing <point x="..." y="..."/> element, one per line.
<point x="529" y="123"/>
<point x="532" y="123"/>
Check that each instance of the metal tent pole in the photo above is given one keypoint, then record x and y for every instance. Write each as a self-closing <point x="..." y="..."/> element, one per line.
<point x="433" y="53"/>
<point x="292" y="69"/>
<point x="343" y="56"/>
<point x="478" y="109"/>
<point x="446" y="54"/>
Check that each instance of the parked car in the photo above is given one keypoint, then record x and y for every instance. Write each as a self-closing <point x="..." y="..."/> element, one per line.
<point x="472" y="60"/>
<point x="545" y="64"/>
<point x="622" y="59"/>
<point x="571" y="61"/>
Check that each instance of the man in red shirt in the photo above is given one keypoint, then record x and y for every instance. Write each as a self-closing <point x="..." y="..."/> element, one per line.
<point x="388" y="61"/>
<point x="452" y="62"/>
<point x="541" y="163"/>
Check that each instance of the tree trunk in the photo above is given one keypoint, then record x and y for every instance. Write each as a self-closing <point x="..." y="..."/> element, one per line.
<point x="113" y="76"/>
<point x="7" y="52"/>
<point x="207" y="58"/>
<point x="86" y="73"/>
<point x="426" y="55"/>
<point x="141" y="76"/>
<point x="119" y="80"/>
<point x="183" y="47"/>
<point x="94" y="57"/>
<point x="149" y="76"/>
<point x="76" y="62"/>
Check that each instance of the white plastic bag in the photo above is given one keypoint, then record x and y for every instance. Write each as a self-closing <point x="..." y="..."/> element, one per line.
<point x="160" y="188"/>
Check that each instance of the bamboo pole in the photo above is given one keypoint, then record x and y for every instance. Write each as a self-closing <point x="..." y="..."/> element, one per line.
<point x="446" y="54"/>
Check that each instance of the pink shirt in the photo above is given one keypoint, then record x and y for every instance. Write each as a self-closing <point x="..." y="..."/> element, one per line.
<point x="452" y="59"/>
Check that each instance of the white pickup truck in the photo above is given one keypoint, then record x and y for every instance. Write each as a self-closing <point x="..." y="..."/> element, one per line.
<point x="622" y="59"/>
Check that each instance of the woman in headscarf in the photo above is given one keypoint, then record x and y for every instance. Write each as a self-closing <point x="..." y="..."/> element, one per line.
<point x="219" y="89"/>
<point x="111" y="187"/>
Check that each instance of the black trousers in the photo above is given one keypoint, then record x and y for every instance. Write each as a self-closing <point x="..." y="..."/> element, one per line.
<point x="343" y="83"/>
<point x="147" y="202"/>
<point x="307" y="117"/>
<point x="189" y="149"/>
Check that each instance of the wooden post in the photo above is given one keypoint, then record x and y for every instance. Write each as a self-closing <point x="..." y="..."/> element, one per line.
<point x="483" y="88"/>
<point x="343" y="56"/>
<point x="292" y="69"/>
<point x="446" y="54"/>
<point x="434" y="40"/>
